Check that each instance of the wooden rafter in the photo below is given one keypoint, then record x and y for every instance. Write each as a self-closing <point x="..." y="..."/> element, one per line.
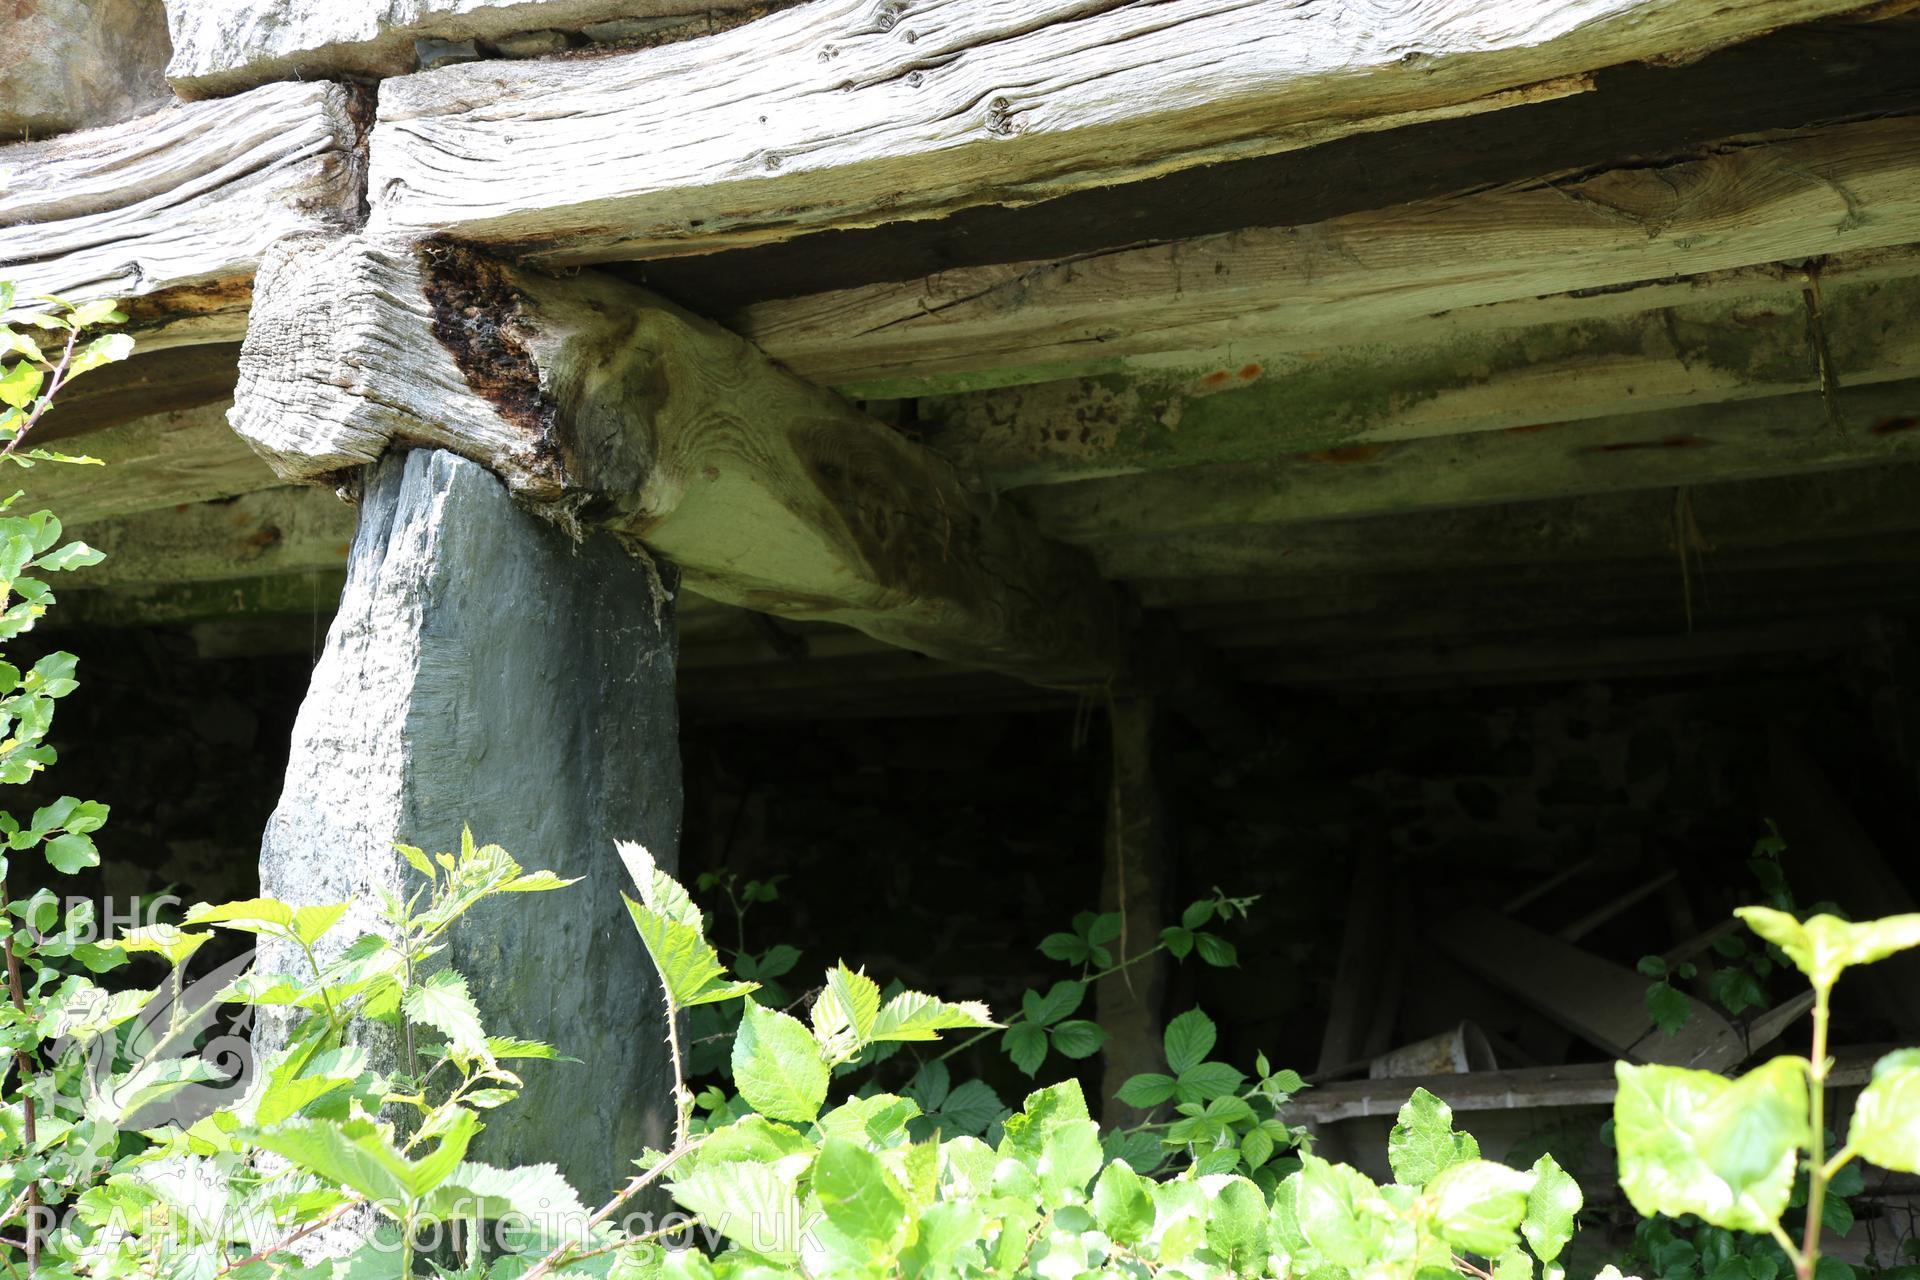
<point x="1488" y="257"/>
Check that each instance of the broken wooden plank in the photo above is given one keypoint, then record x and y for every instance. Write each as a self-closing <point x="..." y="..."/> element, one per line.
<point x="171" y="211"/>
<point x="601" y="405"/>
<point x="1360" y="973"/>
<point x="1715" y="443"/>
<point x="831" y="116"/>
<point x="224" y="46"/>
<point x="1432" y="379"/>
<point x="1592" y="997"/>
<point x="162" y="460"/>
<point x="1848" y="188"/>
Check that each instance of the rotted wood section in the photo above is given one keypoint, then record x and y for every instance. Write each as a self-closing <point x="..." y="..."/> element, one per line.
<point x="602" y="406"/>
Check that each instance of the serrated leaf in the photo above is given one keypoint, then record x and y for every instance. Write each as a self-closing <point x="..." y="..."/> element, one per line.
<point x="443" y="1003"/>
<point x="858" y="1195"/>
<point x="1078" y="1039"/>
<point x="1026" y="1044"/>
<point x="914" y="1016"/>
<point x="750" y="1203"/>
<point x="688" y="966"/>
<point x="1551" y="1208"/>
<point x="1062" y="999"/>
<point x="1147" y="1090"/>
<point x="1189" y="1039"/>
<point x="777" y="1066"/>
<point x="1123" y="1203"/>
<point x="1422" y="1144"/>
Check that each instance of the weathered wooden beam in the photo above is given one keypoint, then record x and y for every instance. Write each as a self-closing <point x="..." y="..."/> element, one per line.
<point x="1431" y="379"/>
<point x="162" y="460"/>
<point x="834" y="116"/>
<point x="602" y="405"/>
<point x="1852" y="187"/>
<point x="171" y="211"/>
<point x="223" y="46"/>
<point x="1786" y="517"/>
<point x="1742" y="440"/>
<point x="1823" y="73"/>
<point x="272" y="533"/>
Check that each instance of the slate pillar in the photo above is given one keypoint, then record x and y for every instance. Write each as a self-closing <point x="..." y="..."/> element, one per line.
<point x="483" y="669"/>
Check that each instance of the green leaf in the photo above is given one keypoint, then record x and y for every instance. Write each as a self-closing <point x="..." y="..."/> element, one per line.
<point x="913" y="1016"/>
<point x="1207" y="1081"/>
<point x="1822" y="946"/>
<point x="1215" y="951"/>
<point x="1423" y="1144"/>
<point x="70" y="853"/>
<point x="750" y="1203"/>
<point x="1062" y="1000"/>
<point x="1724" y="1150"/>
<point x="1026" y="1044"/>
<point x="844" y="1013"/>
<point x="75" y="555"/>
<point x="106" y="349"/>
<point x="1886" y="1119"/>
<point x="1189" y="1039"/>
<point x="1478" y="1206"/>
<point x="1078" y="1039"/>
<point x="417" y="859"/>
<point x="1342" y="1216"/>
<point x="1123" y="1203"/>
<point x="1551" y="1207"/>
<point x="688" y="966"/>
<point x="20" y="384"/>
<point x="1146" y="1090"/>
<point x="777" y="1066"/>
<point x="1237" y="1226"/>
<point x="444" y="1003"/>
<point x="1668" y="1007"/>
<point x="858" y="1195"/>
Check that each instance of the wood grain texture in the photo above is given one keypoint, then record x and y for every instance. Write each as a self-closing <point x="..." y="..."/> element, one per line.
<point x="272" y="533"/>
<point x="839" y="113"/>
<point x="1785" y="198"/>
<point x="604" y="406"/>
<point x="174" y="209"/>
<point x="1826" y="73"/>
<point x="1745" y="440"/>
<point x="1430" y="379"/>
<point x="161" y="460"/>
<point x="224" y="46"/>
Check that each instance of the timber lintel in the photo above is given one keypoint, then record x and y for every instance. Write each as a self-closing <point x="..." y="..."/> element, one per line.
<point x="601" y="405"/>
